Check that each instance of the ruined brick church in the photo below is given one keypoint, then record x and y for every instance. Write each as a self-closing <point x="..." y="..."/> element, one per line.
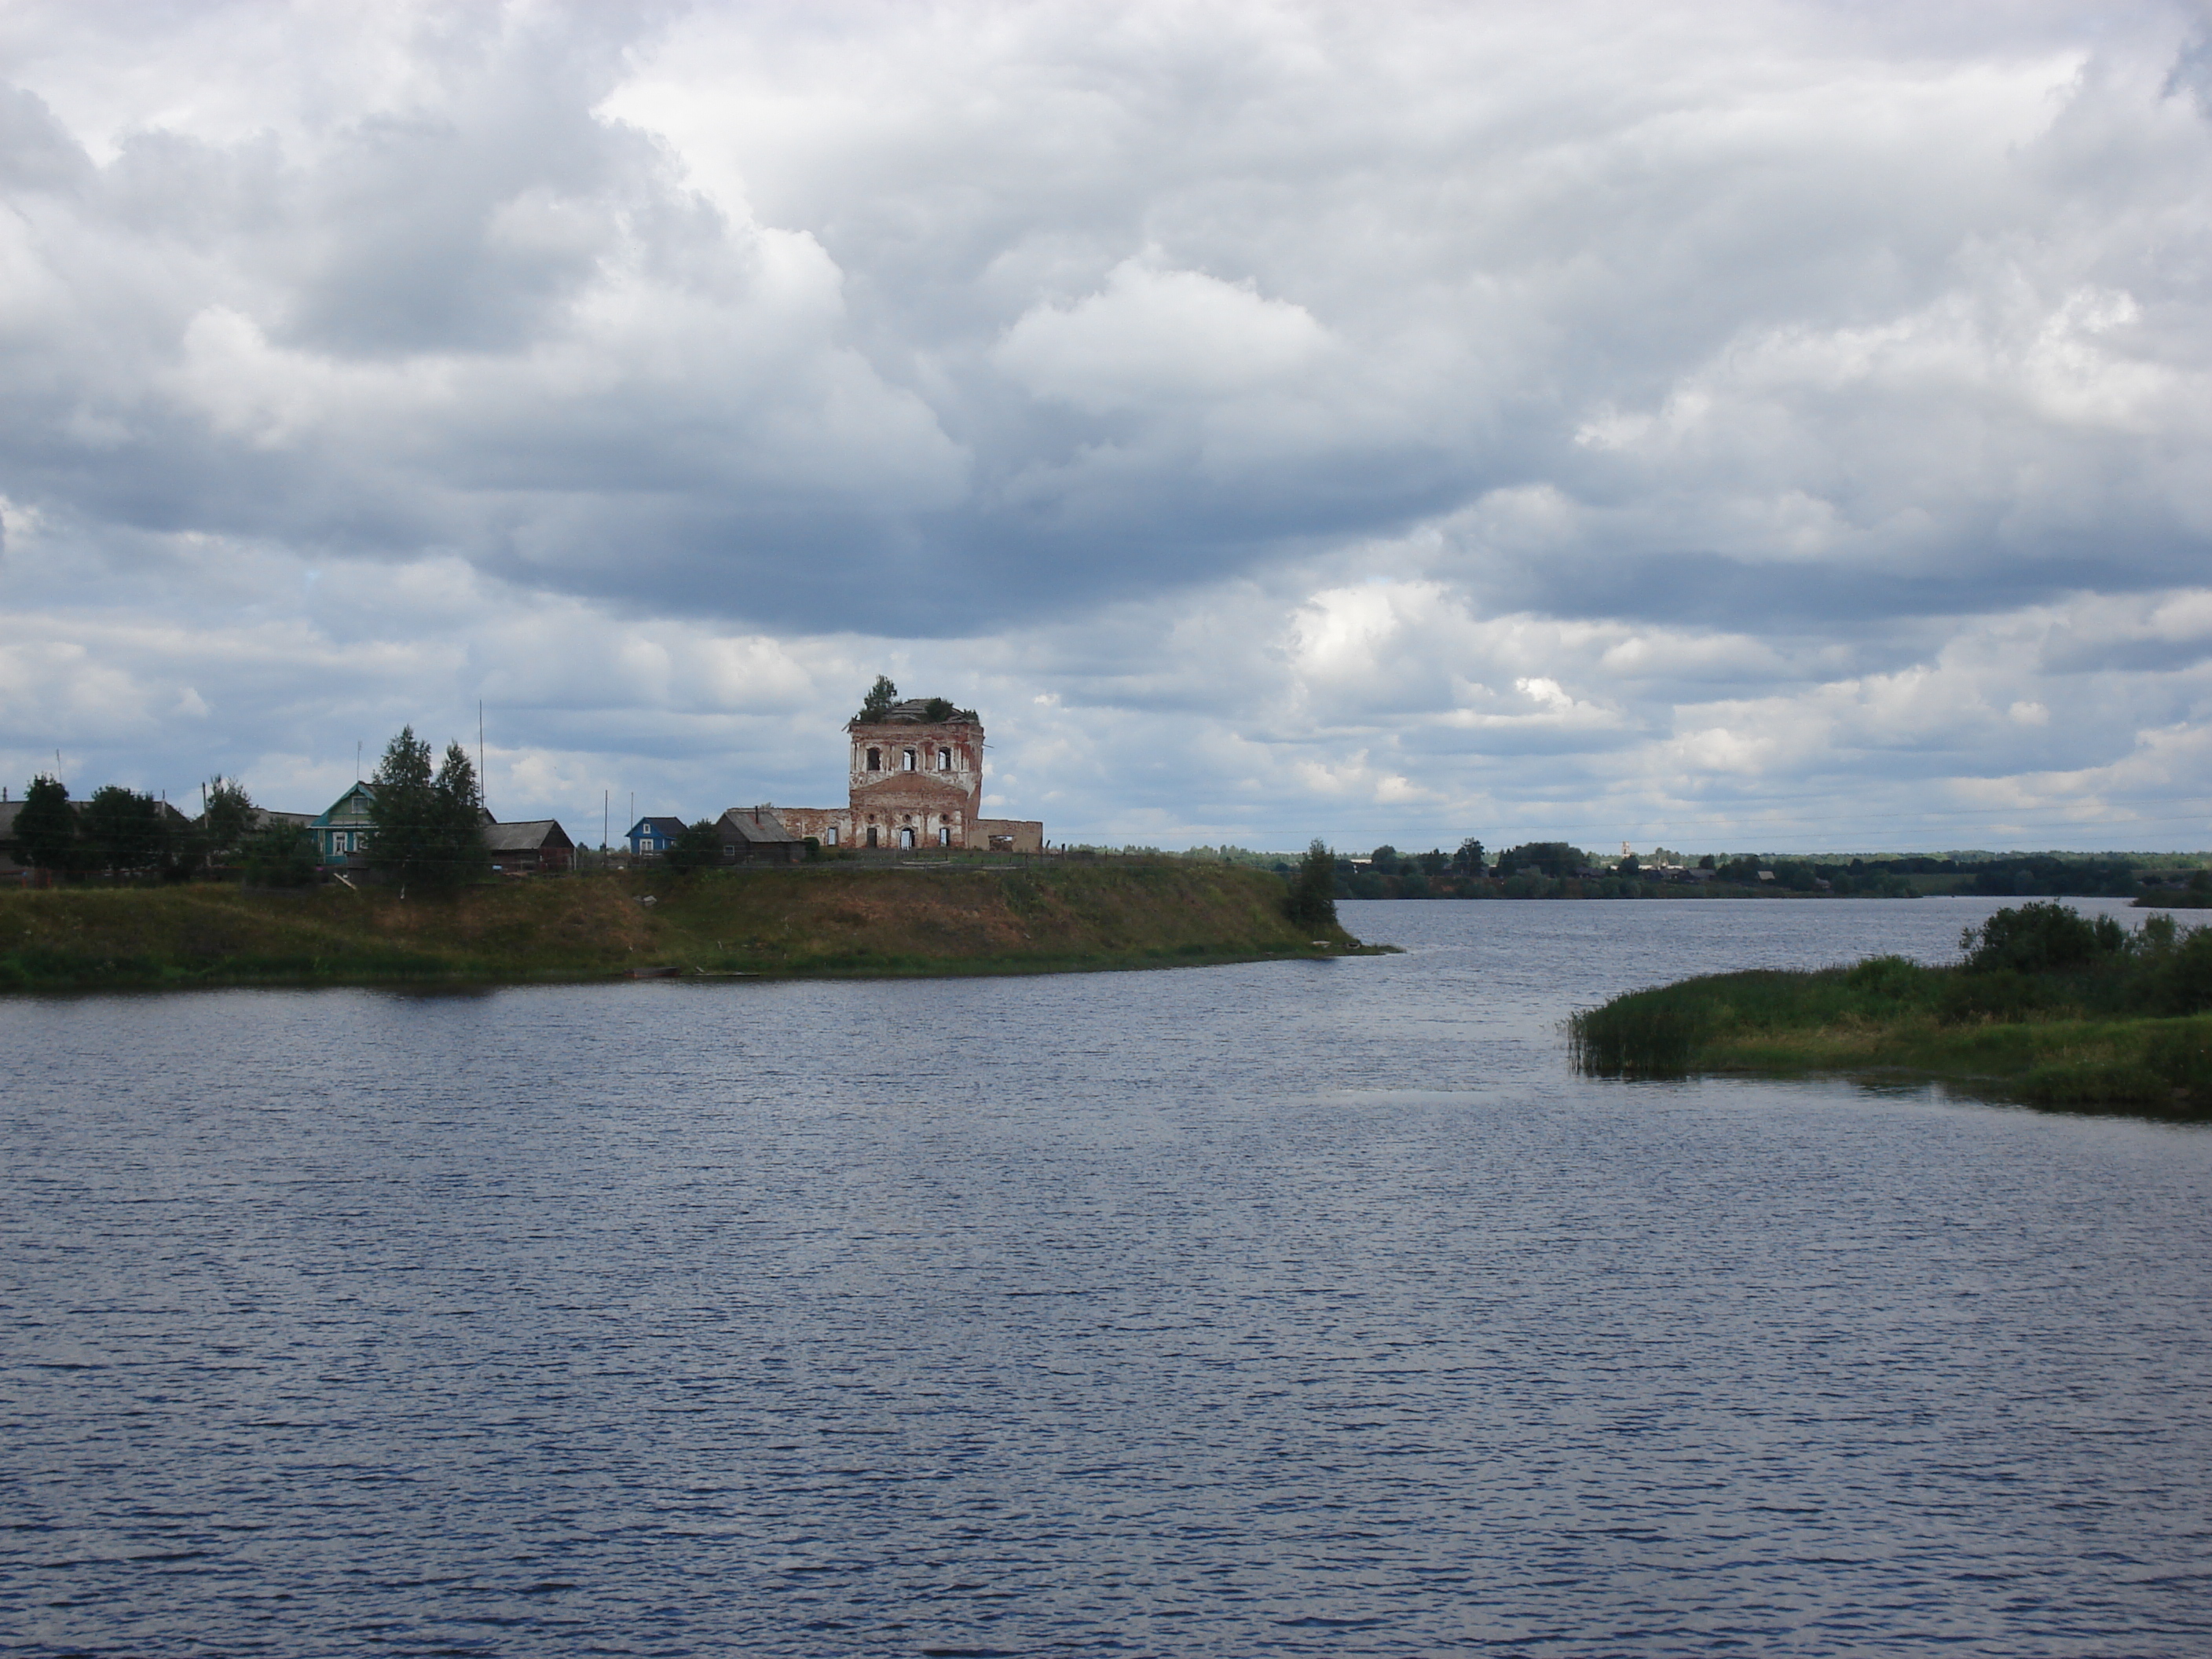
<point x="915" y="781"/>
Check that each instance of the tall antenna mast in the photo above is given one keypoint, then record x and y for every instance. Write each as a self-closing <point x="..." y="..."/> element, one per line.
<point x="480" y="771"/>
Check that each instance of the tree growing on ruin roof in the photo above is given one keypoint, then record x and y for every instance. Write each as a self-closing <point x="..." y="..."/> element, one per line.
<point x="881" y="696"/>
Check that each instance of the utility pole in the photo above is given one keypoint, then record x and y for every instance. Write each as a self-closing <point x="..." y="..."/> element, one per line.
<point x="606" y="806"/>
<point x="481" y="789"/>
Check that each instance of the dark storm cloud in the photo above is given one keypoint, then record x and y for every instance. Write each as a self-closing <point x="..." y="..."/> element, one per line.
<point x="1209" y="304"/>
<point x="1343" y="410"/>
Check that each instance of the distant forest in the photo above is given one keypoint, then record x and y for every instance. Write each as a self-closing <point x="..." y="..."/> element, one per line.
<point x="1559" y="870"/>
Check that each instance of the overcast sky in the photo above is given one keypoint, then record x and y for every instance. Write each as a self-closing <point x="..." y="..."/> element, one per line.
<point x="1751" y="425"/>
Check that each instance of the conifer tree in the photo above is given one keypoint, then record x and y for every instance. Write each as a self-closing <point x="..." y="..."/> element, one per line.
<point x="428" y="826"/>
<point x="460" y="805"/>
<point x="405" y="841"/>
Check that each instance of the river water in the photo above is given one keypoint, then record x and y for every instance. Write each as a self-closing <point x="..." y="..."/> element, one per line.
<point x="1297" y="1307"/>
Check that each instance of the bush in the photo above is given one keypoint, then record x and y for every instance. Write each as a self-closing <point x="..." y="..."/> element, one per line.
<point x="2177" y="976"/>
<point x="1312" y="901"/>
<point x="280" y="855"/>
<point x="697" y="847"/>
<point x="2039" y="938"/>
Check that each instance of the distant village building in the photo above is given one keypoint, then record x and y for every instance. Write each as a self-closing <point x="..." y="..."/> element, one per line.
<point x="535" y="845"/>
<point x="345" y="827"/>
<point x="344" y="830"/>
<point x="915" y="781"/>
<point x="757" y="835"/>
<point x="650" y="837"/>
<point x="10" y="864"/>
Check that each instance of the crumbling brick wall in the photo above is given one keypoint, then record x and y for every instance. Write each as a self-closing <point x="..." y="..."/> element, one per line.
<point x="914" y="781"/>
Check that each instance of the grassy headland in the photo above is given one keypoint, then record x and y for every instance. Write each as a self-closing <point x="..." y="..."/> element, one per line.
<point x="813" y="920"/>
<point x="2047" y="1008"/>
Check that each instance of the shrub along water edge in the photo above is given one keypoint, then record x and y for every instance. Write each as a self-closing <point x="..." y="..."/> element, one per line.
<point x="2047" y="1006"/>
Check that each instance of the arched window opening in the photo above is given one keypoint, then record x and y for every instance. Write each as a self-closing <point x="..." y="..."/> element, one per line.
<point x="910" y="761"/>
<point x="906" y="836"/>
<point x="945" y="835"/>
<point x="875" y="760"/>
<point x="945" y="760"/>
<point x="872" y="835"/>
<point x="830" y="838"/>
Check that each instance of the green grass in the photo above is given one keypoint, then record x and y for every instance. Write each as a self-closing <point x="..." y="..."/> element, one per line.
<point x="810" y="922"/>
<point x="2088" y="1039"/>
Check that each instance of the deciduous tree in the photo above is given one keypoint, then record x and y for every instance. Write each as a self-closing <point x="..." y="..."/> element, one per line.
<point x="45" y="827"/>
<point x="229" y="815"/>
<point x="123" y="829"/>
<point x="1312" y="903"/>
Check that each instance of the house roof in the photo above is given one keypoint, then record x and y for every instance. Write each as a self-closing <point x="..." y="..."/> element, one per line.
<point x="261" y="817"/>
<point x="528" y="836"/>
<point x="352" y="789"/>
<point x="759" y="824"/>
<point x="660" y="825"/>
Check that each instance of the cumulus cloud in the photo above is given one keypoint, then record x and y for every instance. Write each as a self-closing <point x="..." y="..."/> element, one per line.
<point x="1277" y="418"/>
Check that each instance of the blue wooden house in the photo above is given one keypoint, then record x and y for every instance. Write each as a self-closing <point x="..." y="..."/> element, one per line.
<point x="341" y="829"/>
<point x="650" y="837"/>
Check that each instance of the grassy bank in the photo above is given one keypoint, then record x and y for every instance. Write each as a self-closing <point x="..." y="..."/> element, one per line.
<point x="805" y="922"/>
<point x="2123" y="1022"/>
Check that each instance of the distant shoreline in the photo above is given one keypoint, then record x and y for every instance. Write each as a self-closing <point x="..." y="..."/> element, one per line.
<point x="809" y="922"/>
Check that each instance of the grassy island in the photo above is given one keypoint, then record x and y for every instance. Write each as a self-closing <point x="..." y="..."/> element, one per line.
<point x="827" y="919"/>
<point x="2047" y="1007"/>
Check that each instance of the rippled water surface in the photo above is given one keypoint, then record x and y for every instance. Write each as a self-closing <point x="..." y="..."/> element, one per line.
<point x="1282" y="1309"/>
